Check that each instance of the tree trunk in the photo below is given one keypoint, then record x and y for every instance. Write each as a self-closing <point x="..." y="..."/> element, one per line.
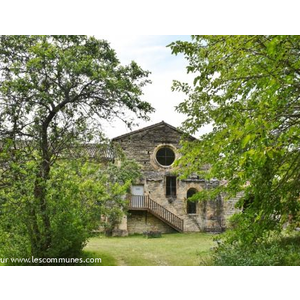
<point x="40" y="194"/>
<point x="40" y="199"/>
<point x="33" y="229"/>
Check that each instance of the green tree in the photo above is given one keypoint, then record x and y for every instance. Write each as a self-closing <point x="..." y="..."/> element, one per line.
<point x="78" y="193"/>
<point x="54" y="92"/>
<point x="247" y="88"/>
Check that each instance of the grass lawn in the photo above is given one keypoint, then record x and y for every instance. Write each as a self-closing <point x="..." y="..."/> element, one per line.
<point x="189" y="249"/>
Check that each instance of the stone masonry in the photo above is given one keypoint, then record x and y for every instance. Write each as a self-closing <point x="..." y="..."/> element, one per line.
<point x="154" y="148"/>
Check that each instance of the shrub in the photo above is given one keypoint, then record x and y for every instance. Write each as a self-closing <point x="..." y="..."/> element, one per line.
<point x="277" y="250"/>
<point x="153" y="234"/>
<point x="78" y="193"/>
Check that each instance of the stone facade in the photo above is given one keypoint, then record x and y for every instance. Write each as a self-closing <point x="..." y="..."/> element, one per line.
<point x="155" y="148"/>
<point x="143" y="221"/>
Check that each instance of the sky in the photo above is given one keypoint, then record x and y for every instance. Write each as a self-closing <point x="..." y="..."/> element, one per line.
<point x="152" y="54"/>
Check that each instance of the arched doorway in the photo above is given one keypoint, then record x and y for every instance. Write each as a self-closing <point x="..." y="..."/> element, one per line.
<point x="191" y="205"/>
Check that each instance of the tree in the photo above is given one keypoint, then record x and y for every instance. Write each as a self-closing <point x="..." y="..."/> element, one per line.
<point x="78" y="193"/>
<point x="54" y="92"/>
<point x="247" y="88"/>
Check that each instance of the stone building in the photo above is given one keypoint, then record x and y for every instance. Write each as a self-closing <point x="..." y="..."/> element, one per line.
<point x="159" y="201"/>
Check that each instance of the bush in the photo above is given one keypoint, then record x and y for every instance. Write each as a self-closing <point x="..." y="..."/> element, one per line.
<point x="77" y="195"/>
<point x="153" y="234"/>
<point x="277" y="250"/>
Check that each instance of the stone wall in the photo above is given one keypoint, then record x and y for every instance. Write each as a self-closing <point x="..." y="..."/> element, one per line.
<point x="142" y="221"/>
<point x="229" y="206"/>
<point x="142" y="146"/>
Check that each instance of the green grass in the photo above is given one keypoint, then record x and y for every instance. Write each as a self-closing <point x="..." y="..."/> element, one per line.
<point x="189" y="249"/>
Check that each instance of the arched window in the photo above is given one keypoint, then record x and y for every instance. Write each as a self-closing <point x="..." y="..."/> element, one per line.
<point x="165" y="156"/>
<point x="191" y="205"/>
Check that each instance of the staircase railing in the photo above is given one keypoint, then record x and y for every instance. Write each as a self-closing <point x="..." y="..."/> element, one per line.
<point x="146" y="203"/>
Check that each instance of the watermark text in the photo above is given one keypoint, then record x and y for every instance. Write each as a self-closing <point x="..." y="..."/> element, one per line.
<point x="50" y="260"/>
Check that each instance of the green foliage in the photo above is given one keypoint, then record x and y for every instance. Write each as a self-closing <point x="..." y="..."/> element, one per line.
<point x="246" y="87"/>
<point x="78" y="194"/>
<point x="55" y="90"/>
<point x="153" y="234"/>
<point x="277" y="250"/>
<point x="54" y="93"/>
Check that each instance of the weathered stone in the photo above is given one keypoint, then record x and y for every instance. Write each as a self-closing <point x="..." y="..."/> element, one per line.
<point x="143" y="145"/>
<point x="143" y="221"/>
<point x="119" y="232"/>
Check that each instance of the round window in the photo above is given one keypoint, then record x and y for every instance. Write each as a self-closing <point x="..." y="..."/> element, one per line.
<point x="165" y="156"/>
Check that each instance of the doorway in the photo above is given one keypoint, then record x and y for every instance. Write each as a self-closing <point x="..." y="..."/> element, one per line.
<point x="137" y="196"/>
<point x="191" y="205"/>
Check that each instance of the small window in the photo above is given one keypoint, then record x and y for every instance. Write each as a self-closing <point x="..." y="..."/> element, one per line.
<point x="165" y="156"/>
<point x="191" y="205"/>
<point x="171" y="186"/>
